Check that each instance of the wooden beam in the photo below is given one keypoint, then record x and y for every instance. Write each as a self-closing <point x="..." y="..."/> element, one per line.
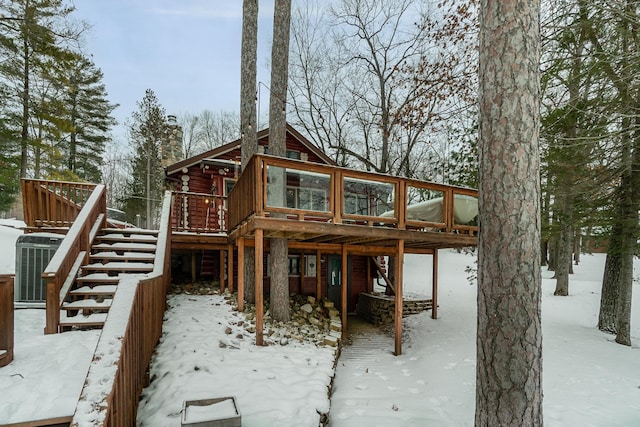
<point x="221" y="270"/>
<point x="241" y="274"/>
<point x="230" y="268"/>
<point x="344" y="284"/>
<point x="318" y="276"/>
<point x="434" y="286"/>
<point x="259" y="286"/>
<point x="398" y="311"/>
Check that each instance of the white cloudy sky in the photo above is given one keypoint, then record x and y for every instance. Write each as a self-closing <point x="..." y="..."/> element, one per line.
<point x="187" y="51"/>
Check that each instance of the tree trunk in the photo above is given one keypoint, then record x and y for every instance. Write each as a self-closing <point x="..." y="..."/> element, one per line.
<point x="248" y="126"/>
<point x="565" y="247"/>
<point x="509" y="341"/>
<point x="611" y="282"/>
<point x="277" y="147"/>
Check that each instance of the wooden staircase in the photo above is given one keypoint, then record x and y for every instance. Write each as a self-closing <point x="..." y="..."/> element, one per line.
<point x="115" y="254"/>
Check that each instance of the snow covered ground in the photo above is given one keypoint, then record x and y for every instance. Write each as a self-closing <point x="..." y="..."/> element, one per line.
<point x="588" y="379"/>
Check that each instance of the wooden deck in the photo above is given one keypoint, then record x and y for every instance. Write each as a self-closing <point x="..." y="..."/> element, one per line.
<point x="374" y="228"/>
<point x="380" y="224"/>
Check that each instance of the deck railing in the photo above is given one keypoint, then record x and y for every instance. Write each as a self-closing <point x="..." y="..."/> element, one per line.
<point x="132" y="342"/>
<point x="72" y="254"/>
<point x="6" y="320"/>
<point x="199" y="213"/>
<point x="53" y="203"/>
<point x="302" y="190"/>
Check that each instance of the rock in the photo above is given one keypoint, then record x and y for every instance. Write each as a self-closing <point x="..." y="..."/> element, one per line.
<point x="311" y="300"/>
<point x="331" y="341"/>
<point x="307" y="308"/>
<point x="327" y="304"/>
<point x="335" y="326"/>
<point x="222" y="344"/>
<point x="284" y="341"/>
<point x="228" y="330"/>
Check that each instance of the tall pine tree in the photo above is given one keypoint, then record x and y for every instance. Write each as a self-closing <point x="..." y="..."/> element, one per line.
<point x="146" y="134"/>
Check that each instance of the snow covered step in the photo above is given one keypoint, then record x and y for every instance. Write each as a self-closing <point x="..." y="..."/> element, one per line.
<point x="119" y="237"/>
<point x="98" y="278"/>
<point x="98" y="290"/>
<point x="120" y="247"/>
<point x="129" y="231"/>
<point x="123" y="256"/>
<point x="125" y="267"/>
<point x="87" y="304"/>
<point x="80" y="320"/>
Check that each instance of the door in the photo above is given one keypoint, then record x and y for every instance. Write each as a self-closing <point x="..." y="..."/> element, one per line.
<point x="334" y="278"/>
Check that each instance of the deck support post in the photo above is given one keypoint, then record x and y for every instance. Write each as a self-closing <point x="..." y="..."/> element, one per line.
<point x="318" y="276"/>
<point x="398" y="307"/>
<point x="434" y="286"/>
<point x="230" y="268"/>
<point x="193" y="266"/>
<point x="221" y="270"/>
<point x="241" y="274"/>
<point x="259" y="265"/>
<point x="343" y="283"/>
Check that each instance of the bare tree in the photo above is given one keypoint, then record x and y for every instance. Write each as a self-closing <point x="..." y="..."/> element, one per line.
<point x="279" y="258"/>
<point x="509" y="340"/>
<point x="248" y="116"/>
<point x="385" y="81"/>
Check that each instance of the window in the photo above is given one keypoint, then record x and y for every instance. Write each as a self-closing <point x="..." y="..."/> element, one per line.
<point x="294" y="265"/>
<point x="310" y="199"/>
<point x="228" y="185"/>
<point x="356" y="204"/>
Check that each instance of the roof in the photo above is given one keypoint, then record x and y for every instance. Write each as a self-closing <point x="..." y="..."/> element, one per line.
<point x="262" y="135"/>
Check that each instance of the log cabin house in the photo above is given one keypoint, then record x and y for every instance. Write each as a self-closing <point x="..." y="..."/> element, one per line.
<point x="335" y="219"/>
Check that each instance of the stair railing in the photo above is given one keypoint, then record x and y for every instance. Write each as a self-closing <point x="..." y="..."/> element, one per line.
<point x="125" y="348"/>
<point x="53" y="203"/>
<point x="6" y="319"/>
<point x="72" y="254"/>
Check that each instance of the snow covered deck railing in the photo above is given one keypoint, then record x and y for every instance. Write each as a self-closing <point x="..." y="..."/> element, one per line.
<point x="6" y="320"/>
<point x="118" y="371"/>
<point x="199" y="213"/>
<point x="310" y="191"/>
<point x="69" y="256"/>
<point x="53" y="203"/>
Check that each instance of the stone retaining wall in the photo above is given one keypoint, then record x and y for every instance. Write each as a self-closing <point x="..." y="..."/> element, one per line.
<point x="379" y="309"/>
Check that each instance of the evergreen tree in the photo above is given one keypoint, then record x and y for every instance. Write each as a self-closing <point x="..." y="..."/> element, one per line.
<point x="9" y="169"/>
<point x="147" y="131"/>
<point x="34" y="36"/>
<point x="89" y="118"/>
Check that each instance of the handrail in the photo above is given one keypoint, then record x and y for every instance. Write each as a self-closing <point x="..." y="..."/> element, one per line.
<point x="53" y="203"/>
<point x="6" y="319"/>
<point x="130" y="334"/>
<point x="249" y="196"/>
<point x="77" y="239"/>
<point x="198" y="212"/>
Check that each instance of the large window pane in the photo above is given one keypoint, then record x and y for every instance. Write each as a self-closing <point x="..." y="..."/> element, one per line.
<point x="365" y="197"/>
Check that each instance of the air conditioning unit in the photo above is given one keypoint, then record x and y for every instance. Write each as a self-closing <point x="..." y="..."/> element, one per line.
<point x="33" y="253"/>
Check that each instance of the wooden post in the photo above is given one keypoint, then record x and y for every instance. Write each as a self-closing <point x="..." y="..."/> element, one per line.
<point x="230" y="268"/>
<point x="6" y="320"/>
<point x="302" y="272"/>
<point x="318" y="277"/>
<point x="398" y="311"/>
<point x="344" y="285"/>
<point x="52" y="306"/>
<point x="259" y="264"/>
<point x="221" y="270"/>
<point x="193" y="266"/>
<point x="434" y="285"/>
<point x="241" y="274"/>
